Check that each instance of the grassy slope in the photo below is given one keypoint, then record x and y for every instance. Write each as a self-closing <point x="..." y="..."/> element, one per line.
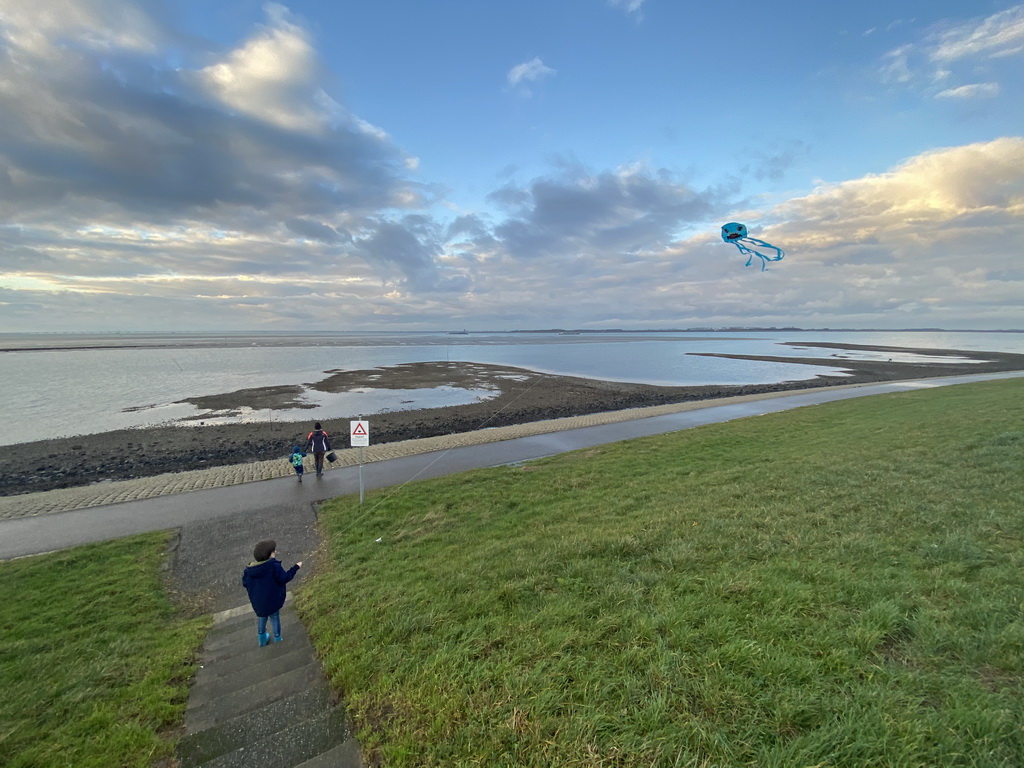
<point x="838" y="585"/>
<point x="94" y="659"/>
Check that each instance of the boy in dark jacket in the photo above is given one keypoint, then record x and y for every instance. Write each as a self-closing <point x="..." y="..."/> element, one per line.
<point x="265" y="579"/>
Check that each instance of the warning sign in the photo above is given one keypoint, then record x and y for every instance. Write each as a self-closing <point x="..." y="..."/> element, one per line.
<point x="359" y="433"/>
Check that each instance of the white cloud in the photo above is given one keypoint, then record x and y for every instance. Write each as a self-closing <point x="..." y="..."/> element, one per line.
<point x="931" y="235"/>
<point x="629" y="6"/>
<point x="32" y="27"/>
<point x="960" y="51"/>
<point x="896" y="68"/>
<point x="577" y="213"/>
<point x="274" y="77"/>
<point x="937" y="187"/>
<point x="121" y="160"/>
<point x="1001" y="34"/>
<point x="925" y="243"/>
<point x="972" y="91"/>
<point x="530" y="71"/>
<point x="88" y="135"/>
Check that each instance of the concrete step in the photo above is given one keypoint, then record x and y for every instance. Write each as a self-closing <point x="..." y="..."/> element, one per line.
<point x="267" y="705"/>
<point x="241" y="614"/>
<point x="201" y="714"/>
<point x="247" y="620"/>
<point x="246" y="648"/>
<point x="238" y="635"/>
<point x="290" y="746"/>
<point x="345" y="755"/>
<point x="274" y="661"/>
<point x="254" y="726"/>
<point x="252" y="654"/>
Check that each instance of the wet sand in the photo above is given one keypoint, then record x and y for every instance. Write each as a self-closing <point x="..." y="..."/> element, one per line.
<point x="525" y="396"/>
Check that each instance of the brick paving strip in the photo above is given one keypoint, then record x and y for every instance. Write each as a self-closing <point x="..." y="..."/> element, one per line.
<point x="115" y="492"/>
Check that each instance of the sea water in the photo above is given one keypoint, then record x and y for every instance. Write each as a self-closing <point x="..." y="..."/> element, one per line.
<point x="62" y="385"/>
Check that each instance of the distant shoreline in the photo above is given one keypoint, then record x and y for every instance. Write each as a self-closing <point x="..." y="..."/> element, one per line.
<point x="223" y="336"/>
<point x="757" y="329"/>
<point x="525" y="396"/>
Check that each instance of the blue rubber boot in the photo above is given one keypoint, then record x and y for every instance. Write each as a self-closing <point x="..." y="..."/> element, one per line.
<point x="264" y="639"/>
<point x="278" y="639"/>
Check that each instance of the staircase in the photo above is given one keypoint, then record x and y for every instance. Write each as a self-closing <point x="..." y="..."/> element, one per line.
<point x="267" y="706"/>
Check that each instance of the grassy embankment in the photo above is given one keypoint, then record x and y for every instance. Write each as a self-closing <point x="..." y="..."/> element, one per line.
<point x="94" y="659"/>
<point x="834" y="586"/>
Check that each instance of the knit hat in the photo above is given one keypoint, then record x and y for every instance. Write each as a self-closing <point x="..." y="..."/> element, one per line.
<point x="263" y="550"/>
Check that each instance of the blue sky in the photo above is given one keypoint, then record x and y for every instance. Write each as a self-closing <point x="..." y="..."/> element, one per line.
<point x="407" y="165"/>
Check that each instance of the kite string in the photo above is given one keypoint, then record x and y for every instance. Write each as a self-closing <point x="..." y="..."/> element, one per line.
<point x="481" y="425"/>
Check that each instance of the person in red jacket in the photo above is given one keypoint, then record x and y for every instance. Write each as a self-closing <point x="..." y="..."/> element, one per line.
<point x="319" y="443"/>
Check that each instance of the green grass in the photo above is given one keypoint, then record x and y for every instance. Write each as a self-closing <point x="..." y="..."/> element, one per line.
<point x="840" y="585"/>
<point x="94" y="659"/>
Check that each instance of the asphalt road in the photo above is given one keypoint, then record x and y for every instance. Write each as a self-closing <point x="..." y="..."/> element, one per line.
<point x="257" y="509"/>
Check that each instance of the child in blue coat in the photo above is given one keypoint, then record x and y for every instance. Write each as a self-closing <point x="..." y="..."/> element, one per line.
<point x="296" y="460"/>
<point x="265" y="579"/>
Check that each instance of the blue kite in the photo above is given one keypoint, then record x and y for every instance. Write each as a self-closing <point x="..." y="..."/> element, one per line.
<point x="736" y="233"/>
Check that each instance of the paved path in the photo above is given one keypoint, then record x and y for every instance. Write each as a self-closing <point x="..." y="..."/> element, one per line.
<point x="269" y="706"/>
<point x="42" y="522"/>
<point x="106" y="493"/>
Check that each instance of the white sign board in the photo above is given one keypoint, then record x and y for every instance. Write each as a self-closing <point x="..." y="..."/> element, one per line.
<point x="359" y="434"/>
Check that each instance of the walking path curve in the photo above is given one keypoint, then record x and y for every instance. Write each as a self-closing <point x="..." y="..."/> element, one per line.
<point x="41" y="522"/>
<point x="116" y="492"/>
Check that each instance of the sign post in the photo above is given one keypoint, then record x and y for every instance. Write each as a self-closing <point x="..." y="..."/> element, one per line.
<point x="359" y="437"/>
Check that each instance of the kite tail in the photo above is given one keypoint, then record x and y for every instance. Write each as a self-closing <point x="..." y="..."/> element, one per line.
<point x="779" y="253"/>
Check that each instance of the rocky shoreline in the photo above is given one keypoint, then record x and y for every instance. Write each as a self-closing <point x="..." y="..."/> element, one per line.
<point x="524" y="396"/>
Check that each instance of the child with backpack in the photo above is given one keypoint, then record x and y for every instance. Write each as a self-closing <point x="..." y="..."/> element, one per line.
<point x="296" y="461"/>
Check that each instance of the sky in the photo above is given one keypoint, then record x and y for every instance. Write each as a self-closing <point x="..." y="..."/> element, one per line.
<point x="405" y="165"/>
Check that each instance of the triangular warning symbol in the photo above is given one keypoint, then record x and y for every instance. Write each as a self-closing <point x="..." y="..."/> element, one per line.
<point x="359" y="429"/>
